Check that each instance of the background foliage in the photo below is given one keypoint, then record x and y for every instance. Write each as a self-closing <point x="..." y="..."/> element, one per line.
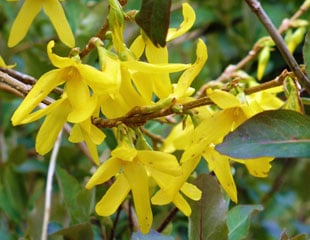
<point x="269" y="208"/>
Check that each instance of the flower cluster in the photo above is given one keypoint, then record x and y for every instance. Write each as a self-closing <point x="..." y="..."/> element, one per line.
<point x="124" y="81"/>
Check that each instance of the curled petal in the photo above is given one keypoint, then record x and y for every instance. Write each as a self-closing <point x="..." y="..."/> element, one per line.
<point x="23" y="21"/>
<point x="57" y="61"/>
<point x="113" y="197"/>
<point x="189" y="75"/>
<point x="189" y="19"/>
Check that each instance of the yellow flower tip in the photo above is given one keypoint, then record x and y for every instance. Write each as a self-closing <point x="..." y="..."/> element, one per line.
<point x="3" y="64"/>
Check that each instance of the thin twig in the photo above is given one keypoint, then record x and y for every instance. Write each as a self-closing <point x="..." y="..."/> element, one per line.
<point x="275" y="35"/>
<point x="252" y="54"/>
<point x="168" y="219"/>
<point x="49" y="184"/>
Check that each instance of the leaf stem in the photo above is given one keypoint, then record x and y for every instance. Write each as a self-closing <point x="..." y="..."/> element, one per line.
<point x="168" y="219"/>
<point x="277" y="38"/>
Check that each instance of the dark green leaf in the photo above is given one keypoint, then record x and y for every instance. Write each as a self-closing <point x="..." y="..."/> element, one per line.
<point x="152" y="235"/>
<point x="238" y="220"/>
<point x="153" y="18"/>
<point x="76" y="232"/>
<point x="207" y="220"/>
<point x="276" y="133"/>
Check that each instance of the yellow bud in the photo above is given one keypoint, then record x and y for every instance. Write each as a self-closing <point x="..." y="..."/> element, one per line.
<point x="295" y="39"/>
<point x="263" y="59"/>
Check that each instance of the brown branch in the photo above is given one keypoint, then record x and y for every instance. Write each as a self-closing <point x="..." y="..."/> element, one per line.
<point x="101" y="35"/>
<point x="275" y="35"/>
<point x="168" y="219"/>
<point x="252" y="54"/>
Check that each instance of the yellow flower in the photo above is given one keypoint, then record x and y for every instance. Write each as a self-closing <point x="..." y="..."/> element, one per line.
<point x="212" y="131"/>
<point x="27" y="13"/>
<point x="134" y="79"/>
<point x="160" y="83"/>
<point x="78" y="78"/>
<point x="131" y="169"/>
<point x="84" y="85"/>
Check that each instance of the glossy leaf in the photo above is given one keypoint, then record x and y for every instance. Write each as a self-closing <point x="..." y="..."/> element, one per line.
<point x="207" y="220"/>
<point x="276" y="133"/>
<point x="238" y="220"/>
<point x="153" y="18"/>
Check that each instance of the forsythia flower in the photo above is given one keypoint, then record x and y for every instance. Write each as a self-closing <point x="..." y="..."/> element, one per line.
<point x="160" y="83"/>
<point x="77" y="104"/>
<point x="211" y="131"/>
<point x="132" y="169"/>
<point x="27" y="13"/>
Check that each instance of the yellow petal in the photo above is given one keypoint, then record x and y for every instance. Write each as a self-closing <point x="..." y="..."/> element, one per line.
<point x="51" y="127"/>
<point x="189" y="19"/>
<point x="191" y="191"/>
<point x="96" y="135"/>
<point x="92" y="148"/>
<point x="3" y="64"/>
<point x="79" y="97"/>
<point x="105" y="172"/>
<point x="76" y="134"/>
<point x="124" y="153"/>
<point x="23" y="21"/>
<point x="57" y="16"/>
<point x="155" y="54"/>
<point x="151" y="68"/>
<point x="41" y="89"/>
<point x="42" y="112"/>
<point x="57" y="61"/>
<point x="220" y="165"/>
<point x="182" y="204"/>
<point x="144" y="84"/>
<point x="258" y="167"/>
<point x="100" y="82"/>
<point x="223" y="99"/>
<point x="138" y="181"/>
<point x="113" y="198"/>
<point x="137" y="47"/>
<point x="161" y="198"/>
<point x="190" y="74"/>
<point x="163" y="162"/>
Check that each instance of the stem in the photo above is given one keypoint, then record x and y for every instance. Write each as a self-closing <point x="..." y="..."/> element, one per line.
<point x="275" y="35"/>
<point x="49" y="186"/>
<point x="168" y="219"/>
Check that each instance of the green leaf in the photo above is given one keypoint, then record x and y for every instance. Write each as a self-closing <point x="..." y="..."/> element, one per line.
<point x="238" y="220"/>
<point x="77" y="199"/>
<point x="152" y="235"/>
<point x="276" y="133"/>
<point x="208" y="218"/>
<point x="153" y="18"/>
<point x="80" y="231"/>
